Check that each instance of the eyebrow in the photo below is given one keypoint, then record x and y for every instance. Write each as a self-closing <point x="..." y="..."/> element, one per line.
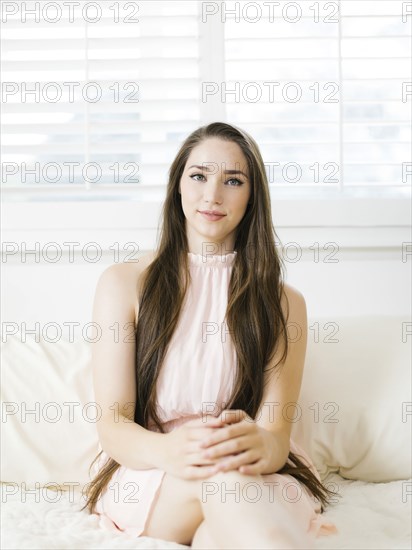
<point x="226" y="171"/>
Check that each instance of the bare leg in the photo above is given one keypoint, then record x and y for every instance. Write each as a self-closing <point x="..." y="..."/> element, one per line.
<point x="176" y="514"/>
<point x="202" y="539"/>
<point x="224" y="517"/>
<point x="239" y="514"/>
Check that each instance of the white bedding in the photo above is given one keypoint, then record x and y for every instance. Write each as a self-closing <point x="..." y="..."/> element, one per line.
<point x="369" y="515"/>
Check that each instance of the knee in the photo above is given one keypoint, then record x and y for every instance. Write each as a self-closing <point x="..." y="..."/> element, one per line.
<point x="224" y="484"/>
<point x="202" y="539"/>
<point x="201" y="489"/>
<point x="234" y="476"/>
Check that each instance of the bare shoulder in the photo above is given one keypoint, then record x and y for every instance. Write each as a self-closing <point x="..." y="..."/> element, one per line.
<point x="293" y="301"/>
<point x="129" y="272"/>
<point x="128" y="275"/>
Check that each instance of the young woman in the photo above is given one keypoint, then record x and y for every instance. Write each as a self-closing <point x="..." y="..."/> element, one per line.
<point x="194" y="370"/>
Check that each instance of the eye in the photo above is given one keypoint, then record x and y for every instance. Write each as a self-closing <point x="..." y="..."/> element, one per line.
<point x="238" y="182"/>
<point x="194" y="176"/>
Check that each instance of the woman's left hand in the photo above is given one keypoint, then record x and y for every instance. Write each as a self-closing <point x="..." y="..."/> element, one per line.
<point x="239" y="444"/>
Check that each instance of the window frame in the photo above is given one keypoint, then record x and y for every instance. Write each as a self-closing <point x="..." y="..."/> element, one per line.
<point x="375" y="215"/>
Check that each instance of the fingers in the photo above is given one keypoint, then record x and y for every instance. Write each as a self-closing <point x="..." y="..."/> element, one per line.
<point x="203" y="427"/>
<point x="232" y="416"/>
<point x="227" y="416"/>
<point x="228" y="446"/>
<point x="196" y="459"/>
<point x="227" y="433"/>
<point x="253" y="469"/>
<point x="205" y="420"/>
<point x="209" y="422"/>
<point x="248" y="462"/>
<point x="233" y="421"/>
<point x="210" y="432"/>
<point x="193" y="455"/>
<point x="199" y="425"/>
<point x="201" y="472"/>
<point x="199" y="434"/>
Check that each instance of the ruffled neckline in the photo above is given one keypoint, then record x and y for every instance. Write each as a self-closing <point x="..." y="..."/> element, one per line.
<point x="212" y="260"/>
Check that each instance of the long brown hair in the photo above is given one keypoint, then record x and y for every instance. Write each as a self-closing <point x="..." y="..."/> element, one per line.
<point x="254" y="314"/>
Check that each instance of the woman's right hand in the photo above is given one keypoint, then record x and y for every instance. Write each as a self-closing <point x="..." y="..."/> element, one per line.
<point x="181" y="452"/>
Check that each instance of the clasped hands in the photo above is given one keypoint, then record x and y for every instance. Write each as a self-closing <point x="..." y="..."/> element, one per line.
<point x="236" y="443"/>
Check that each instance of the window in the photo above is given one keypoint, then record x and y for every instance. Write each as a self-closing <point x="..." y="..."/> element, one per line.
<point x="99" y="99"/>
<point x="325" y="87"/>
<point x="97" y="96"/>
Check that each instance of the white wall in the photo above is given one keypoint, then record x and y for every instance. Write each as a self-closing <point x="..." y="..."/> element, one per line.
<point x="371" y="275"/>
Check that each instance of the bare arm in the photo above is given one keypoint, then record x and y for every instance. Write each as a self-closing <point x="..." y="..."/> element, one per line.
<point x="283" y="389"/>
<point x="113" y="356"/>
<point x="131" y="445"/>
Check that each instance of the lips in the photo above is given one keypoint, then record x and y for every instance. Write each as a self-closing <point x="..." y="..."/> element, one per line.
<point x="211" y="216"/>
<point x="212" y="212"/>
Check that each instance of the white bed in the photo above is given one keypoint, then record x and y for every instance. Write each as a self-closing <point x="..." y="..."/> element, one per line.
<point x="355" y="423"/>
<point x="369" y="515"/>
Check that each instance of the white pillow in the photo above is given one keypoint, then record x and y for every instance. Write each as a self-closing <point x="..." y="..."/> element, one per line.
<point x="356" y="396"/>
<point x="363" y="381"/>
<point x="57" y="444"/>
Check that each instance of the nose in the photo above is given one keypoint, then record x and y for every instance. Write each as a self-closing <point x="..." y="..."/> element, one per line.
<point x="213" y="190"/>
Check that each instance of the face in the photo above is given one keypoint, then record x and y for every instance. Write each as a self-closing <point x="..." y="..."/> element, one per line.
<point x="215" y="178"/>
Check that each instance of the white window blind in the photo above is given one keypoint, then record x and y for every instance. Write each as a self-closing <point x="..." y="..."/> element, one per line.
<point x="127" y="87"/>
<point x="348" y="61"/>
<point x="339" y="72"/>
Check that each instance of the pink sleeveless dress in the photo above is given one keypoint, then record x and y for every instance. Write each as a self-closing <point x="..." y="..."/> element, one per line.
<point x="198" y="372"/>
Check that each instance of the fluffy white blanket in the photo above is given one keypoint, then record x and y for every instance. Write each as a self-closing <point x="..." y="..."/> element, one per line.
<point x="368" y="516"/>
